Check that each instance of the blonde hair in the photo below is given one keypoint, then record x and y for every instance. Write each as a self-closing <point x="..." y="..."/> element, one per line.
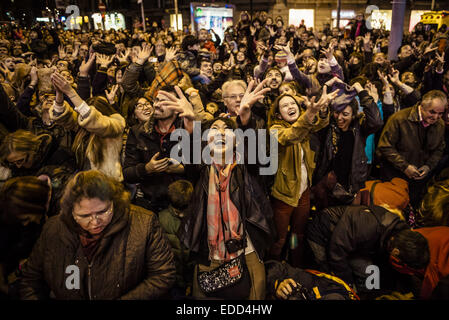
<point x="21" y="141"/>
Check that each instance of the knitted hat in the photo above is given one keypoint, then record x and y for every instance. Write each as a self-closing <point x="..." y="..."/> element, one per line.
<point x="281" y="56"/>
<point x="393" y="193"/>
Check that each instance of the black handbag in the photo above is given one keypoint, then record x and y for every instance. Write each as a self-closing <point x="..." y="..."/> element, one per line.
<point x="230" y="281"/>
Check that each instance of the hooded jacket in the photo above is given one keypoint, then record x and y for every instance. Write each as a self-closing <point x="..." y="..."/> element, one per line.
<point x="133" y="260"/>
<point x="347" y="230"/>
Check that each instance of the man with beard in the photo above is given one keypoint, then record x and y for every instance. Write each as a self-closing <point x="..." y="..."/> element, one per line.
<point x="148" y="148"/>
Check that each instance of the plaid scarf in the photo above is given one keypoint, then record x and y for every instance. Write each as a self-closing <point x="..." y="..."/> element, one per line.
<point x="170" y="74"/>
<point x="222" y="217"/>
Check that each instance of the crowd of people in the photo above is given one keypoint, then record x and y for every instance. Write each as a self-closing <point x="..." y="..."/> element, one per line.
<point x="95" y="206"/>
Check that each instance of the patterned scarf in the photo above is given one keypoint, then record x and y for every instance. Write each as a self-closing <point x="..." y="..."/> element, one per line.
<point x="222" y="217"/>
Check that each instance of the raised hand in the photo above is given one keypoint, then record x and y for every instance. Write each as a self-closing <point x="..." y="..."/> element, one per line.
<point x="8" y="74"/>
<point x="253" y="30"/>
<point x="123" y="56"/>
<point x="329" y="53"/>
<point x="372" y="91"/>
<point x="383" y="78"/>
<point x="314" y="107"/>
<point x="170" y="54"/>
<point x="62" y="52"/>
<point x="230" y="63"/>
<point x="144" y="53"/>
<point x="61" y="84"/>
<point x="34" y="77"/>
<point x="111" y="94"/>
<point x="394" y="76"/>
<point x="439" y="61"/>
<point x="367" y="42"/>
<point x="252" y="95"/>
<point x="33" y="62"/>
<point x="76" y="50"/>
<point x="179" y="104"/>
<point x="104" y="60"/>
<point x="85" y="66"/>
<point x="286" y="49"/>
<point x="272" y="32"/>
<point x="429" y="49"/>
<point x="358" y="87"/>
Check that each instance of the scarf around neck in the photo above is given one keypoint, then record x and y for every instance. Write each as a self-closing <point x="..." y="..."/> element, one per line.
<point x="223" y="219"/>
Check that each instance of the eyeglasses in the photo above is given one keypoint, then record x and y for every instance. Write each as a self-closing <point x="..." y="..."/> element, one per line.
<point x="235" y="96"/>
<point x="86" y="218"/>
<point x="143" y="105"/>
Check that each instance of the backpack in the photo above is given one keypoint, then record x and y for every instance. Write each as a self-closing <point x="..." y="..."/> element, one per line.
<point x="329" y="287"/>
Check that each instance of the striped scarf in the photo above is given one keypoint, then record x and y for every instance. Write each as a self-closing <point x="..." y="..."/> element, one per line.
<point x="221" y="218"/>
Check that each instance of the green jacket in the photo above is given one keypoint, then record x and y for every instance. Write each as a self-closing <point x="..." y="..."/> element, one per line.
<point x="170" y="223"/>
<point x="291" y="138"/>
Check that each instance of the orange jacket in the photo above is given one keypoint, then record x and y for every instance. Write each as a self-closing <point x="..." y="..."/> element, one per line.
<point x="438" y="238"/>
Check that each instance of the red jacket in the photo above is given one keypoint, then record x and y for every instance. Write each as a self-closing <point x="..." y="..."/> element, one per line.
<point x="438" y="238"/>
<point x="209" y="46"/>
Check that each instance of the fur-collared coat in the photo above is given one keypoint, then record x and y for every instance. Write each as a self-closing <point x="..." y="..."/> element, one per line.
<point x="98" y="136"/>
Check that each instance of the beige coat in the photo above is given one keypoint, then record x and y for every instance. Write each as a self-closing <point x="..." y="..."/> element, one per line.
<point x="105" y="136"/>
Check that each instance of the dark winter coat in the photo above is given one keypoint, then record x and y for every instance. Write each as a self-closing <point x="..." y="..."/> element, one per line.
<point x="142" y="144"/>
<point x="329" y="288"/>
<point x="405" y="141"/>
<point x="249" y="199"/>
<point x="362" y="127"/>
<point x="133" y="260"/>
<point x="347" y="231"/>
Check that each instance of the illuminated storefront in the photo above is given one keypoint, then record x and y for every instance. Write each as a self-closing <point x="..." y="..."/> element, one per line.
<point x="176" y="25"/>
<point x="381" y="19"/>
<point x="415" y="17"/>
<point x="111" y="20"/>
<point x="214" y="16"/>
<point x="295" y="16"/>
<point x="345" y="17"/>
